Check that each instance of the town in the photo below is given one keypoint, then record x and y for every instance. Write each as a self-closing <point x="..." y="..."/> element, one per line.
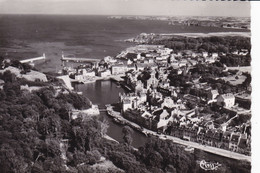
<point x="187" y="94"/>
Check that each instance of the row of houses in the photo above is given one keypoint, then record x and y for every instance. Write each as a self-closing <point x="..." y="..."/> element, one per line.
<point x="233" y="141"/>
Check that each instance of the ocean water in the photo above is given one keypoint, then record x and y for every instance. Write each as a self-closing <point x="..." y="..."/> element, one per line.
<point x="28" y="36"/>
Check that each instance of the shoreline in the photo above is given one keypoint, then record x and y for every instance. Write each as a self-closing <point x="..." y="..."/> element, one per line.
<point x="210" y="34"/>
<point x="116" y="78"/>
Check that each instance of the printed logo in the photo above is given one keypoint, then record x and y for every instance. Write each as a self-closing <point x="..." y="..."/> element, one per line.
<point x="209" y="166"/>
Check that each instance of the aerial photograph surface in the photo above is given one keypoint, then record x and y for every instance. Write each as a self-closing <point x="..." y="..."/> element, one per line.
<point x="125" y="86"/>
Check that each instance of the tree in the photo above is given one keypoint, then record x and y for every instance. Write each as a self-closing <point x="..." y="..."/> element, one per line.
<point x="104" y="127"/>
<point x="8" y="76"/>
<point x="127" y="131"/>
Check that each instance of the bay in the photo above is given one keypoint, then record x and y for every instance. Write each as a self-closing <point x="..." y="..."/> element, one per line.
<point x="28" y="36"/>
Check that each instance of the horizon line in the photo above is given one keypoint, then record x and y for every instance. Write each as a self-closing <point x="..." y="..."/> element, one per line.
<point x="148" y="15"/>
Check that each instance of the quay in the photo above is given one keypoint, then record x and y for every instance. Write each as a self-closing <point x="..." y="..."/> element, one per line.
<point x="116" y="78"/>
<point x="30" y="60"/>
<point x="76" y="59"/>
<point x="209" y="149"/>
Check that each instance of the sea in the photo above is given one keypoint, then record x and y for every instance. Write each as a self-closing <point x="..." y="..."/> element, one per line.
<point x="85" y="36"/>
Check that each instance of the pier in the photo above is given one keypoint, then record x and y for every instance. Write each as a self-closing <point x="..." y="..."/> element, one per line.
<point x="77" y="59"/>
<point x="30" y="60"/>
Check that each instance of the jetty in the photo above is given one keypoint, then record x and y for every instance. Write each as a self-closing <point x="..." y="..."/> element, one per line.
<point x="31" y="60"/>
<point x="78" y="59"/>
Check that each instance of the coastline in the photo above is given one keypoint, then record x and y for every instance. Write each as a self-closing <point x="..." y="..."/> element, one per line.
<point x="218" y="34"/>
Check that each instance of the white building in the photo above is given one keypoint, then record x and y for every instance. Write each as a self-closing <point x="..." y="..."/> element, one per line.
<point x="119" y="69"/>
<point x="226" y="100"/>
<point x="104" y="73"/>
<point x="213" y="94"/>
<point x="205" y="54"/>
<point x="126" y="104"/>
<point x="214" y="55"/>
<point x="168" y="102"/>
<point x="164" y="51"/>
<point x="165" y="118"/>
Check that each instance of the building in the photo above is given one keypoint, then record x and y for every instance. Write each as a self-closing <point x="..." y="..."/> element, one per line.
<point x="85" y="72"/>
<point x="126" y="104"/>
<point x="164" y="51"/>
<point x="109" y="59"/>
<point x="163" y="118"/>
<point x="131" y="67"/>
<point x="168" y="102"/>
<point x="226" y="100"/>
<point x="212" y="94"/>
<point x="205" y="54"/>
<point x="118" y="69"/>
<point x="104" y="73"/>
<point x="233" y="144"/>
<point x="152" y="81"/>
<point x="214" y="55"/>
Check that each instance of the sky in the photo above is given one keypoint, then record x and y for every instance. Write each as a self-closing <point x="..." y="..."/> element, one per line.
<point x="127" y="7"/>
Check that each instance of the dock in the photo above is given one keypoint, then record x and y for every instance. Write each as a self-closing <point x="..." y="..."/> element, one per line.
<point x="78" y="59"/>
<point x="30" y="60"/>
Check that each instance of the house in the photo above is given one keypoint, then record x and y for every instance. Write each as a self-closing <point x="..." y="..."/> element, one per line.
<point x="210" y="125"/>
<point x="146" y="115"/>
<point x="226" y="100"/>
<point x="212" y="94"/>
<point x="168" y="102"/>
<point x="209" y="60"/>
<point x="201" y="135"/>
<point x="163" y="119"/>
<point x="164" y="51"/>
<point x="89" y="73"/>
<point x="80" y="77"/>
<point x="131" y="67"/>
<point x="235" y="52"/>
<point x="183" y="63"/>
<point x="193" y="55"/>
<point x="109" y="59"/>
<point x="118" y="69"/>
<point x="205" y="54"/>
<point x="217" y="139"/>
<point x="143" y="97"/>
<point x="126" y="104"/>
<point x="138" y="86"/>
<point x="104" y="73"/>
<point x="243" y="52"/>
<point x="226" y="139"/>
<point x="141" y="66"/>
<point x="242" y="144"/>
<point x="233" y="144"/>
<point x="214" y="55"/>
<point x="150" y="60"/>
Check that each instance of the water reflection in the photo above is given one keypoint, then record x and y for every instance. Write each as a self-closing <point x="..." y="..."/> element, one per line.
<point x="107" y="92"/>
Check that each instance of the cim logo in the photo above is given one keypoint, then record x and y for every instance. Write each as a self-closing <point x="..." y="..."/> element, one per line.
<point x="209" y="166"/>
